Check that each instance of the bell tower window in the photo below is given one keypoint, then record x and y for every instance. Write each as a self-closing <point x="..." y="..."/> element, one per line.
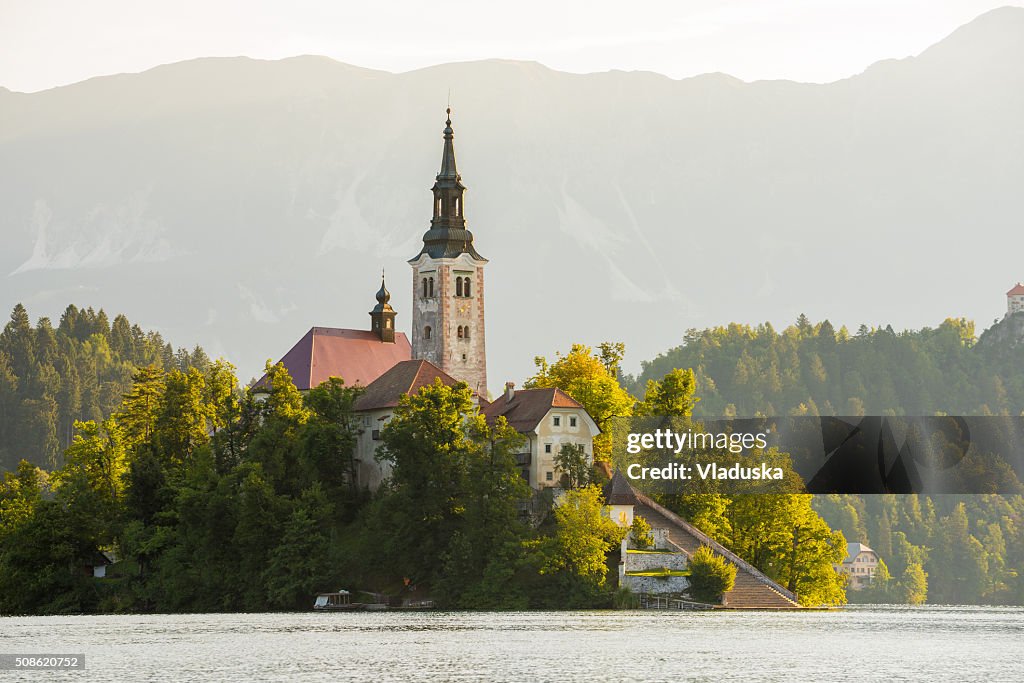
<point x="465" y="288"/>
<point x="458" y="286"/>
<point x="424" y="288"/>
<point x="430" y="282"/>
<point x="426" y="332"/>
<point x="460" y="332"/>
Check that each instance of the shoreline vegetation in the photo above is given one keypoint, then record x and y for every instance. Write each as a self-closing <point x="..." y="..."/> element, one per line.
<point x="156" y="469"/>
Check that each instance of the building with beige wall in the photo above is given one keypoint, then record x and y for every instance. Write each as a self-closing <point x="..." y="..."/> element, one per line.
<point x="549" y="419"/>
<point x="860" y="565"/>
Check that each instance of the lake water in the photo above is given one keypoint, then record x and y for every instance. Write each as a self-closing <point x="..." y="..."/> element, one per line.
<point x="852" y="644"/>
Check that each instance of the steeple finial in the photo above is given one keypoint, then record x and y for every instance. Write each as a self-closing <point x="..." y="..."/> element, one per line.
<point x="448" y="170"/>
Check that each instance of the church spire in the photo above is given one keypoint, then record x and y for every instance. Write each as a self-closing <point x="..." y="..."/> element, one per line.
<point x="448" y="236"/>
<point x="448" y="169"/>
<point x="382" y="316"/>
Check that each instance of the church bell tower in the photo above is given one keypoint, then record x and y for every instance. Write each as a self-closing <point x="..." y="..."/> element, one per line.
<point x="448" y="283"/>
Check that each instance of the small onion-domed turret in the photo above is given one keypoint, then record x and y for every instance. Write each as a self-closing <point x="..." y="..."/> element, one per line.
<point x="383" y="297"/>
<point x="382" y="316"/>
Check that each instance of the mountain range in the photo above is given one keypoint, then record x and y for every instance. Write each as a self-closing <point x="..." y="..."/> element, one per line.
<point x="235" y="203"/>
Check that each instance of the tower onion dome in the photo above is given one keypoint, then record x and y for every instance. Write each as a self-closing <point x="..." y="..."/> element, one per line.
<point x="448" y="236"/>
<point x="383" y="297"/>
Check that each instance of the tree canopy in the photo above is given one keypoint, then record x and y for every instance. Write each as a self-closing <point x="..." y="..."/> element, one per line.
<point x="51" y="378"/>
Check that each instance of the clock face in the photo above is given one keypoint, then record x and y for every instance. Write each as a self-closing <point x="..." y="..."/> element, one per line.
<point x="463" y="308"/>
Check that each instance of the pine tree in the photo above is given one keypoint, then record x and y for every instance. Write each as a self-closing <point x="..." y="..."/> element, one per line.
<point x="17" y="342"/>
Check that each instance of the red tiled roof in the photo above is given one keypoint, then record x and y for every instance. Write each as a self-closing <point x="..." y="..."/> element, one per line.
<point x="357" y="356"/>
<point x="1017" y="290"/>
<point x="528" y="407"/>
<point x="407" y="377"/>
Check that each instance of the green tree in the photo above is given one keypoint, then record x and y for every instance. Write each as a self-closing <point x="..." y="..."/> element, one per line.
<point x="97" y="454"/>
<point x="182" y="417"/>
<point x="673" y="395"/>
<point x="45" y="564"/>
<point x="882" y="585"/>
<point x="491" y="525"/>
<point x="711" y="575"/>
<point x="329" y="440"/>
<point x="583" y="537"/>
<point x="428" y="450"/>
<point x="298" y="567"/>
<point x="20" y="492"/>
<point x="913" y="587"/>
<point x="640" y="533"/>
<point x="572" y="461"/>
<point x="17" y="342"/>
<point x="138" y="412"/>
<point x="784" y="537"/>
<point x="590" y="379"/>
<point x="278" y="422"/>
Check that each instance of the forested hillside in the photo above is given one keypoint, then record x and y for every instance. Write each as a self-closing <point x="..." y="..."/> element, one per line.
<point x="80" y="370"/>
<point x="939" y="549"/>
<point x="970" y="548"/>
<point x="817" y="370"/>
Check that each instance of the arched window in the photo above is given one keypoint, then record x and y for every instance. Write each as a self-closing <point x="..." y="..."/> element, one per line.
<point x="426" y="332"/>
<point x="460" y="331"/>
<point x="431" y="282"/>
<point x="465" y="288"/>
<point x="437" y="207"/>
<point x="458" y="206"/>
<point x="465" y="332"/>
<point x="424" y="288"/>
<point x="458" y="286"/>
<point x="387" y="323"/>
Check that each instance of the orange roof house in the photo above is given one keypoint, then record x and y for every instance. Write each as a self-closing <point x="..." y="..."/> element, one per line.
<point x="525" y="408"/>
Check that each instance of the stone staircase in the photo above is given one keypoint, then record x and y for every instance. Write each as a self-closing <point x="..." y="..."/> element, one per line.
<point x="752" y="590"/>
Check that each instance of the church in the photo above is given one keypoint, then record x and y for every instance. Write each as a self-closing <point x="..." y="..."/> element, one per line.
<point x="448" y="344"/>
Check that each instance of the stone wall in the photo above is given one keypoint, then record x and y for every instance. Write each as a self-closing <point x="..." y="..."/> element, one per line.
<point x="642" y="562"/>
<point x="656" y="585"/>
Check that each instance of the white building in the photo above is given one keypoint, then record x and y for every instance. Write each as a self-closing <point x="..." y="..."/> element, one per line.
<point x="860" y="565"/>
<point x="549" y="419"/>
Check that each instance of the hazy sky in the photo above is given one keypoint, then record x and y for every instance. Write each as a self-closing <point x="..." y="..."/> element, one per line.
<point x="48" y="42"/>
